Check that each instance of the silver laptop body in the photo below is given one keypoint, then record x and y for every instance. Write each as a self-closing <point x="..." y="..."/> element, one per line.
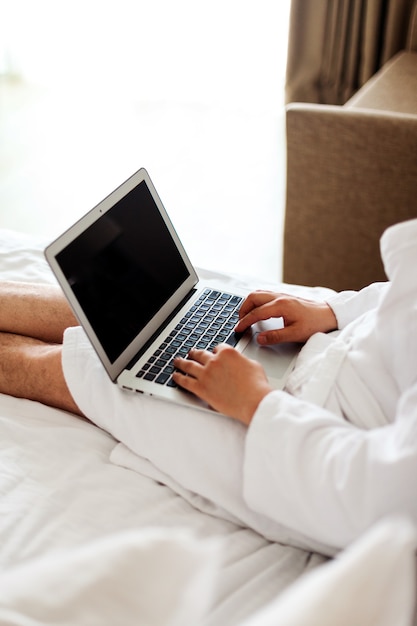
<point x="133" y="289"/>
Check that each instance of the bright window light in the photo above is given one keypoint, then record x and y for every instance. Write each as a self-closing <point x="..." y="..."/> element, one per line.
<point x="91" y="90"/>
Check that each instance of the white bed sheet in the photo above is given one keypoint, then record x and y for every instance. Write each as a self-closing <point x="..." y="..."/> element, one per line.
<point x="86" y="541"/>
<point x="58" y="489"/>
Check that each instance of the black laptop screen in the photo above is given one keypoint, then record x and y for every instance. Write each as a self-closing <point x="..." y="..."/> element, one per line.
<point x="123" y="268"/>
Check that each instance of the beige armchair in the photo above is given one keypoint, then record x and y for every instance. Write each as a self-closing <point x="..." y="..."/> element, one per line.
<point x="351" y="172"/>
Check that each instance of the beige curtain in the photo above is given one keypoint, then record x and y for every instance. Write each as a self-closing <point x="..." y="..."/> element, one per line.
<point x="336" y="45"/>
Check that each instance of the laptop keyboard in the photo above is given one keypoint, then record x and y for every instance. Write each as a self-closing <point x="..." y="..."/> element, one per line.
<point x="209" y="322"/>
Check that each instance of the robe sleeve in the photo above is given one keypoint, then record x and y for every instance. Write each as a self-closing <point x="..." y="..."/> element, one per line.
<point x="312" y="471"/>
<point x="349" y="305"/>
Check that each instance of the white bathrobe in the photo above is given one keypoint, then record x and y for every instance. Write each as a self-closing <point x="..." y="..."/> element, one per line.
<point x="321" y="461"/>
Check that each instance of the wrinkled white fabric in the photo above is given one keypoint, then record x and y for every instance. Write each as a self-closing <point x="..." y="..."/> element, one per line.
<point x="197" y="454"/>
<point x="321" y="463"/>
<point x="372" y="583"/>
<point x="332" y="478"/>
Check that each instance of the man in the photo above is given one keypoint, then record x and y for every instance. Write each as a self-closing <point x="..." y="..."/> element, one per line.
<point x="321" y="461"/>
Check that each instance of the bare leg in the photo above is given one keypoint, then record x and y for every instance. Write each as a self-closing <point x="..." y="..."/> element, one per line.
<point x="30" y="368"/>
<point x="33" y="318"/>
<point x="34" y="310"/>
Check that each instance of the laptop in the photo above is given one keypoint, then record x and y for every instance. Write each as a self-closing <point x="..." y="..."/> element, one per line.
<point x="139" y="299"/>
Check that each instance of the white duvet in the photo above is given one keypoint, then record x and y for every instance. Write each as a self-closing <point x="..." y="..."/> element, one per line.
<point x="86" y="541"/>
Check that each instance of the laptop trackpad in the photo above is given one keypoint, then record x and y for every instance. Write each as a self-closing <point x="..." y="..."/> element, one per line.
<point x="276" y="359"/>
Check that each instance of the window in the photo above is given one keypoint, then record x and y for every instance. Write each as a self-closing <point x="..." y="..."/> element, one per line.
<point x="189" y="89"/>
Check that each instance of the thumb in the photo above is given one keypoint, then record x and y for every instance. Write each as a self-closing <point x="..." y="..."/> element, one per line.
<point x="279" y="335"/>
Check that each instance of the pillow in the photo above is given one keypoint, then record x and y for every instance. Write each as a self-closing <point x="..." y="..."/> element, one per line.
<point x="139" y="578"/>
<point x="371" y="583"/>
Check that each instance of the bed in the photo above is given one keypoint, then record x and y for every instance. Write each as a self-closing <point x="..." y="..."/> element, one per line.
<point x="84" y="540"/>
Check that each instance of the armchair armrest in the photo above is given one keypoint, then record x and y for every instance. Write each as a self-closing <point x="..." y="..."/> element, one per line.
<point x="351" y="173"/>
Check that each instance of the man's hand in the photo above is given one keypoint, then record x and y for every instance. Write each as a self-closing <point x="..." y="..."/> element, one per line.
<point x="302" y="318"/>
<point x="228" y="381"/>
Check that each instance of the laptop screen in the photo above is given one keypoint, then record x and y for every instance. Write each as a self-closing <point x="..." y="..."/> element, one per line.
<point x="123" y="268"/>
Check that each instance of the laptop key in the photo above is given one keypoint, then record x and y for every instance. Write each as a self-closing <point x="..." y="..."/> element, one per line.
<point x="233" y="339"/>
<point x="162" y="378"/>
<point x="212" y="322"/>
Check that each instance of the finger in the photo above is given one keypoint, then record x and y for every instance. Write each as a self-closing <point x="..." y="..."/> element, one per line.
<point x="221" y="347"/>
<point x="181" y="363"/>
<point x="200" y="356"/>
<point x="282" y="335"/>
<point x="195" y="361"/>
<point x="253" y="300"/>
<point x="263" y="312"/>
<point x="187" y="366"/>
<point x="271" y="337"/>
<point x="186" y="382"/>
